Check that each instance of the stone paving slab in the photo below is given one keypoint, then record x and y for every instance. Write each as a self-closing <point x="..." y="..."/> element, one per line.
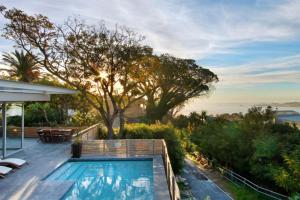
<point x="161" y="190"/>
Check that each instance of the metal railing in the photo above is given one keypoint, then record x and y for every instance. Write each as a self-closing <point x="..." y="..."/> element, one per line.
<point x="236" y="178"/>
<point x="90" y="133"/>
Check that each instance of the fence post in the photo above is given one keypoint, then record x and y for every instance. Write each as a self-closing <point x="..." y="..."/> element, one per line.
<point x="126" y="147"/>
<point x="153" y="146"/>
<point x="103" y="141"/>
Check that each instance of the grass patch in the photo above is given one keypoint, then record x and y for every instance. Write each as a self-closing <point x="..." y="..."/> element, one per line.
<point x="242" y="193"/>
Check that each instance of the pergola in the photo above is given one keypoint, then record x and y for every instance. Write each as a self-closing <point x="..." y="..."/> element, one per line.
<point x="20" y="92"/>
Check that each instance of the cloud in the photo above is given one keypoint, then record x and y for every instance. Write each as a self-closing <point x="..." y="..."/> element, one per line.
<point x="195" y="29"/>
<point x="189" y="28"/>
<point x="277" y="70"/>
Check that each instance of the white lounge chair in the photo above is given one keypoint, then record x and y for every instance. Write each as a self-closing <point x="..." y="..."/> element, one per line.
<point x="4" y="170"/>
<point x="13" y="162"/>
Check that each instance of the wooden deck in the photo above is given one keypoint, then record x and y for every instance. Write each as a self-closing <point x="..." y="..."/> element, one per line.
<point x="42" y="159"/>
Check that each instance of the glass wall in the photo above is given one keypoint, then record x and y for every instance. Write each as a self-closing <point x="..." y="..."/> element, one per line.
<point x="1" y="132"/>
<point x="14" y="128"/>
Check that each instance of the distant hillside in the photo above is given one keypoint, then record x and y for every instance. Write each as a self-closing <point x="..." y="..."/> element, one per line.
<point x="286" y="104"/>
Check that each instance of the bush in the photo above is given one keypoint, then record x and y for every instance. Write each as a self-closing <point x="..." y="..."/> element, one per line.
<point x="80" y="118"/>
<point x="295" y="196"/>
<point x="255" y="147"/>
<point x="158" y="131"/>
<point x="102" y="133"/>
<point x="42" y="113"/>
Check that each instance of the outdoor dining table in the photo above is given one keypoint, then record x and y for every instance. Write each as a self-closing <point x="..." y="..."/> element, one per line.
<point x="55" y="135"/>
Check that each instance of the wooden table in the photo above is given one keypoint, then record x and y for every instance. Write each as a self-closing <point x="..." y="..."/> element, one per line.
<point x="55" y="135"/>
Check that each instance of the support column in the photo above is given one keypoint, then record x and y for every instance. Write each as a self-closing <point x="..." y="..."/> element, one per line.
<point x="4" y="129"/>
<point x="22" y="128"/>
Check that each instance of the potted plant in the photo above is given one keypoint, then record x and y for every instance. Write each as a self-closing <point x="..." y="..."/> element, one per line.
<point x="76" y="148"/>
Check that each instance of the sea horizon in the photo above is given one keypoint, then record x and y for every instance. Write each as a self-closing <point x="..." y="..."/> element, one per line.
<point x="213" y="108"/>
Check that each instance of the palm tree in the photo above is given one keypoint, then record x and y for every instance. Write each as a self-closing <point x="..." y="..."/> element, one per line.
<point x="22" y="66"/>
<point x="204" y="116"/>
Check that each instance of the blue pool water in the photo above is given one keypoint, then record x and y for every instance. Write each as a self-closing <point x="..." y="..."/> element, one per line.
<point x="117" y="179"/>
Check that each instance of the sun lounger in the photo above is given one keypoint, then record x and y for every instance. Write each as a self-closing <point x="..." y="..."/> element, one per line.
<point x="4" y="170"/>
<point x="13" y="162"/>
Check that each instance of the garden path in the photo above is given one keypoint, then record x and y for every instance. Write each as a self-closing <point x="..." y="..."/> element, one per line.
<point x="200" y="185"/>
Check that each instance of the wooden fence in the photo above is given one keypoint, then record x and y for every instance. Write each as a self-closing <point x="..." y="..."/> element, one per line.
<point x="133" y="147"/>
<point x="124" y="147"/>
<point x="236" y="178"/>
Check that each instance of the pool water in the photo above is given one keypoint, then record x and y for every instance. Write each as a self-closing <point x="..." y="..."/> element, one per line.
<point x="116" y="179"/>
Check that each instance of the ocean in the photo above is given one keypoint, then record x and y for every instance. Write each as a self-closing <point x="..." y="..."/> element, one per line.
<point x="221" y="108"/>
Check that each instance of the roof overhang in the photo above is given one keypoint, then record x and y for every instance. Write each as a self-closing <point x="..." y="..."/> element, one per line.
<point x="14" y="91"/>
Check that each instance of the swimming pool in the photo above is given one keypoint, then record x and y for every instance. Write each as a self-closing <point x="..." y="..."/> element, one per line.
<point x="107" y="179"/>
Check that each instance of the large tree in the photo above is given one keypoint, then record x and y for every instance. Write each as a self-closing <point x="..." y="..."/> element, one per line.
<point x="94" y="60"/>
<point x="171" y="82"/>
<point x="21" y="66"/>
<point x="111" y="68"/>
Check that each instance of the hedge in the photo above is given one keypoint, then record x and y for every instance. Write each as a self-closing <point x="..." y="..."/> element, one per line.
<point x="170" y="134"/>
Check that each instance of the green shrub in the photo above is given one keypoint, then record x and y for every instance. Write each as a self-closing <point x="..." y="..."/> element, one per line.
<point x="102" y="133"/>
<point x="253" y="146"/>
<point x="243" y="193"/>
<point x="41" y="113"/>
<point x="158" y="131"/>
<point x="295" y="196"/>
<point x="14" y="120"/>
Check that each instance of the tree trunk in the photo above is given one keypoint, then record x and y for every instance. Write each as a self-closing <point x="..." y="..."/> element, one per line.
<point x="110" y="130"/>
<point x="154" y="113"/>
<point x="122" y="123"/>
<point x="108" y="120"/>
<point x="45" y="115"/>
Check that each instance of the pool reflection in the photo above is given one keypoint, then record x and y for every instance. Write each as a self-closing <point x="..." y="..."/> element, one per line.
<point x="108" y="179"/>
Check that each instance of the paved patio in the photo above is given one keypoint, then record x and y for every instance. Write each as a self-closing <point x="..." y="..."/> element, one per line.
<point x="42" y="159"/>
<point x="15" y="144"/>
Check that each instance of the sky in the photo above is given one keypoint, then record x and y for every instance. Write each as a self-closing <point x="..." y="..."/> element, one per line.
<point x="253" y="46"/>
